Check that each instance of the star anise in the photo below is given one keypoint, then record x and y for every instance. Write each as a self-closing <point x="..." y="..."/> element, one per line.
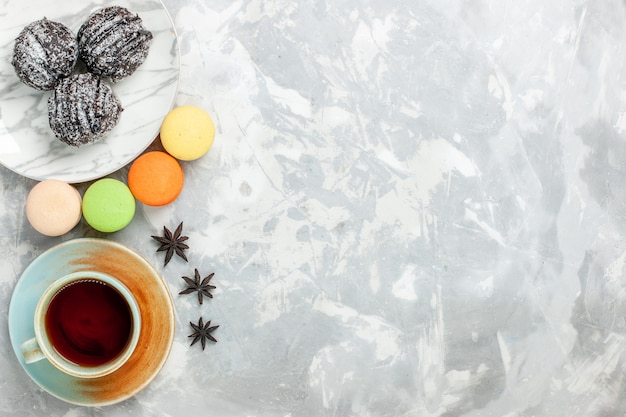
<point x="202" y="287"/>
<point x="202" y="332"/>
<point x="172" y="243"/>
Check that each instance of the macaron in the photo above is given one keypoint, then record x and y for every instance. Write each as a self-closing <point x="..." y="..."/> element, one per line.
<point x="187" y="133"/>
<point x="53" y="207"/>
<point x="108" y="205"/>
<point x="156" y="178"/>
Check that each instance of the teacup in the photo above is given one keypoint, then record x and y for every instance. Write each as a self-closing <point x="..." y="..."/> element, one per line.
<point x="87" y="324"/>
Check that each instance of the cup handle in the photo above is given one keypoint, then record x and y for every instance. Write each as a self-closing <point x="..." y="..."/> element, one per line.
<point x="31" y="351"/>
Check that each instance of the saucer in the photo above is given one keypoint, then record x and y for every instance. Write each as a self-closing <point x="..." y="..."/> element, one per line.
<point x="150" y="291"/>
<point x="27" y="144"/>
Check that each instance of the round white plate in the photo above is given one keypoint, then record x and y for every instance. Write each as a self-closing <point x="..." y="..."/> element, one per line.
<point x="28" y="146"/>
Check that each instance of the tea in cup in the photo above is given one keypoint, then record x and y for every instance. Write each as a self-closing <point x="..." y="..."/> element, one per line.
<point x="87" y="324"/>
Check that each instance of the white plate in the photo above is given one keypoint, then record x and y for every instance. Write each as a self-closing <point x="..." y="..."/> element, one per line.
<point x="28" y="146"/>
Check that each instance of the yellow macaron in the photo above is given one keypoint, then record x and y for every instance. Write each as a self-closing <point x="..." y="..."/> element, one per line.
<point x="187" y="133"/>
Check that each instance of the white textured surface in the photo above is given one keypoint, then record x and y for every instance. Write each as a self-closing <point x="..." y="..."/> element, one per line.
<point x="411" y="209"/>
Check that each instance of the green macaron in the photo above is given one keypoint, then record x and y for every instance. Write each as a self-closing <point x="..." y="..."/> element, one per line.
<point x="108" y="205"/>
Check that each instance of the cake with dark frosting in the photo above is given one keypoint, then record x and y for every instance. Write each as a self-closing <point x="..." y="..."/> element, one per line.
<point x="44" y="53"/>
<point x="82" y="109"/>
<point x="113" y="42"/>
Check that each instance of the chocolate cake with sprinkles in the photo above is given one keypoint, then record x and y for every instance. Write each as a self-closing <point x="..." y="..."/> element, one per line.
<point x="113" y="42"/>
<point x="82" y="109"/>
<point x="44" y="53"/>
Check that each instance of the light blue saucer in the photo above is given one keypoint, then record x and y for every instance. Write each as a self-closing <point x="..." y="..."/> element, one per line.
<point x="137" y="274"/>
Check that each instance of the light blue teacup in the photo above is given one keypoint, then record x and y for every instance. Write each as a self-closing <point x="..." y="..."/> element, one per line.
<point x="41" y="346"/>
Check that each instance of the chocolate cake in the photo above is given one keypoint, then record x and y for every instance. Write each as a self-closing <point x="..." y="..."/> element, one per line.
<point x="113" y="42"/>
<point x="44" y="52"/>
<point x="82" y="109"/>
